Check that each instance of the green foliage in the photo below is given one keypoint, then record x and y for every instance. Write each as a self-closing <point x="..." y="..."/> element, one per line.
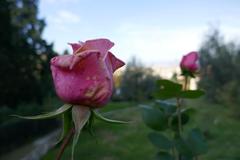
<point x="171" y="118"/>
<point x="154" y="118"/>
<point x="167" y="89"/>
<point x="164" y="156"/>
<point x="24" y="55"/>
<point x="138" y="82"/>
<point x="191" y="94"/>
<point x="193" y="145"/>
<point x="197" y="142"/>
<point x="160" y="141"/>
<point x="167" y="108"/>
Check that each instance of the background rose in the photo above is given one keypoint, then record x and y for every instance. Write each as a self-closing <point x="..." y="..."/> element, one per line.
<point x="86" y="77"/>
<point x="189" y="62"/>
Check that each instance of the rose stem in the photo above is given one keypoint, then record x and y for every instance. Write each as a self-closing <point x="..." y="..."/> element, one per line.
<point x="180" y="128"/>
<point x="65" y="143"/>
<point x="179" y="122"/>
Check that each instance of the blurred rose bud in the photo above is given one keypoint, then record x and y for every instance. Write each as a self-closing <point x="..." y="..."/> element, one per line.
<point x="86" y="77"/>
<point x="189" y="62"/>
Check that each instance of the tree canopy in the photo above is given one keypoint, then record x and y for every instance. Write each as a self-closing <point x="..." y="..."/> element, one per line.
<point x="220" y="66"/>
<point x="24" y="54"/>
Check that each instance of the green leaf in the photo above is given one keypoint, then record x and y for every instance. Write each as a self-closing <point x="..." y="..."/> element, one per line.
<point x="167" y="89"/>
<point x="66" y="124"/>
<point x="154" y="118"/>
<point x="53" y="114"/>
<point x="182" y="147"/>
<point x="184" y="119"/>
<point x="89" y="125"/>
<point x="164" y="156"/>
<point x="167" y="84"/>
<point x="166" y="107"/>
<point x="100" y="117"/>
<point x="193" y="145"/>
<point x="187" y="157"/>
<point x="80" y="116"/>
<point x="160" y="141"/>
<point x="196" y="140"/>
<point x="191" y="94"/>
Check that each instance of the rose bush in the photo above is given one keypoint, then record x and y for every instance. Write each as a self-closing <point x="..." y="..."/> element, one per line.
<point x="189" y="62"/>
<point x="86" y="76"/>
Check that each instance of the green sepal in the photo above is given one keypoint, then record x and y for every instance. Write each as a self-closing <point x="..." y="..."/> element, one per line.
<point x="67" y="124"/>
<point x="188" y="73"/>
<point x="52" y="114"/>
<point x="80" y="116"/>
<point x="100" y="117"/>
<point x="89" y="125"/>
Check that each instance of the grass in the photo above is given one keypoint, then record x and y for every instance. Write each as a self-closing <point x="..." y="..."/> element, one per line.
<point x="129" y="142"/>
<point x="222" y="130"/>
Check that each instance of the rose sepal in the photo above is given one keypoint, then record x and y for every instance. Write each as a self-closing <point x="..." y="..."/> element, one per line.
<point x="104" y="119"/>
<point x="52" y="114"/>
<point x="67" y="124"/>
<point x="80" y="116"/>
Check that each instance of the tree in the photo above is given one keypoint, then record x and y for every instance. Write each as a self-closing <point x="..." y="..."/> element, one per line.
<point x="24" y="55"/>
<point x="220" y="66"/>
<point x="138" y="82"/>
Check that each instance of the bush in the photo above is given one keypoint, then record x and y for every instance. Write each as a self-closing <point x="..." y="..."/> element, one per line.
<point x="138" y="82"/>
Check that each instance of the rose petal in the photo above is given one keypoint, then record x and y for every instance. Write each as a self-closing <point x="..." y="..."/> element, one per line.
<point x="115" y="62"/>
<point x="63" y="61"/>
<point x="102" y="45"/>
<point x="76" y="46"/>
<point x="87" y="83"/>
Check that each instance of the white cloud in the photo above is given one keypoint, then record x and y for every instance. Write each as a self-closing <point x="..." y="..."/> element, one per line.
<point x="153" y="44"/>
<point x="156" y="45"/>
<point x="64" y="17"/>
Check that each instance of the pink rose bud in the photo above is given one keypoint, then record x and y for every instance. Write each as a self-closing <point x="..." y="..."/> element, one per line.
<point x="189" y="62"/>
<point x="86" y="77"/>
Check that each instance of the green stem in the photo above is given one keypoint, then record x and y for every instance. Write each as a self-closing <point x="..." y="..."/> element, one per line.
<point x="179" y="123"/>
<point x="179" y="116"/>
<point x="185" y="83"/>
<point x="65" y="143"/>
<point x="180" y="127"/>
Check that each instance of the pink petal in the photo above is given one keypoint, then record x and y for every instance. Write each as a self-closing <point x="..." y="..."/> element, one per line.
<point x="70" y="61"/>
<point x="76" y="46"/>
<point x="115" y="62"/>
<point x="88" y="83"/>
<point x="192" y="56"/>
<point x="102" y="45"/>
<point x="63" y="61"/>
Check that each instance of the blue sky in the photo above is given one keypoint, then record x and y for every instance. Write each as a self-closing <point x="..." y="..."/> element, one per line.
<point x="155" y="31"/>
